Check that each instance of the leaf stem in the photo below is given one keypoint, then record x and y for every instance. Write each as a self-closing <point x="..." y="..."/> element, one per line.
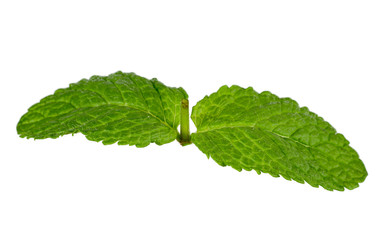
<point x="184" y="123"/>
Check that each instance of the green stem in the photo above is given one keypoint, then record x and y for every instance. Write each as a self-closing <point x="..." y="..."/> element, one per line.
<point x="184" y="123"/>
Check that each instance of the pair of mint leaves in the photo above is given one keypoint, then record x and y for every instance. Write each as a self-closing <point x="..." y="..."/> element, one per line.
<point x="237" y="127"/>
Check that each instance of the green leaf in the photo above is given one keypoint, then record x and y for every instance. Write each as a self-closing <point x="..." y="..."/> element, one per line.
<point x="246" y="130"/>
<point x="121" y="107"/>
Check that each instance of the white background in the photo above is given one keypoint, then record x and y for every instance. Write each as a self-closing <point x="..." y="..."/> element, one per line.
<point x="324" y="54"/>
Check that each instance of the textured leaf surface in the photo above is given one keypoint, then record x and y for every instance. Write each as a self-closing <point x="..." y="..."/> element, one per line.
<point x="121" y="107"/>
<point x="246" y="130"/>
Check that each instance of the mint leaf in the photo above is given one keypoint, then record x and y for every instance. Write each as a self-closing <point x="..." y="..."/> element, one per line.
<point x="237" y="127"/>
<point x="121" y="107"/>
<point x="245" y="130"/>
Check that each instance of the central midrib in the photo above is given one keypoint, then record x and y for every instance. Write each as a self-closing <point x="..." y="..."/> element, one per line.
<point x="252" y="126"/>
<point x="118" y="105"/>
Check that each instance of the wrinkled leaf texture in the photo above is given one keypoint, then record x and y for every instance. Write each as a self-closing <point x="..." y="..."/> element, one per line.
<point x="121" y="107"/>
<point x="237" y="127"/>
<point x="243" y="129"/>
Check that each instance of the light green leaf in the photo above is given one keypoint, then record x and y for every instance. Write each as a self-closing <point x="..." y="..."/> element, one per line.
<point x="246" y="130"/>
<point x="122" y="107"/>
